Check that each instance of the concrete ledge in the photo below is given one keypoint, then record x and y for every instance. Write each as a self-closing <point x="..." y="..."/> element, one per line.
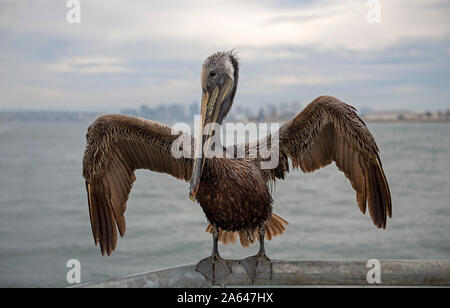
<point x="297" y="273"/>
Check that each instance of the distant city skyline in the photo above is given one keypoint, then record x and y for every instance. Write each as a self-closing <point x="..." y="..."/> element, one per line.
<point x="125" y="54"/>
<point x="179" y="113"/>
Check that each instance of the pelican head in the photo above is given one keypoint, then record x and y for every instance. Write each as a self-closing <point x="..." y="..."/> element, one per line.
<point x="219" y="79"/>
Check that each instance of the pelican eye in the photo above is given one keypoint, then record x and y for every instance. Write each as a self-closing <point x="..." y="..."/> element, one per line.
<point x="212" y="73"/>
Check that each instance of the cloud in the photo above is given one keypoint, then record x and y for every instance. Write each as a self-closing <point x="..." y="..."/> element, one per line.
<point x="316" y="80"/>
<point x="129" y="53"/>
<point x="89" y="66"/>
<point x="325" y="24"/>
<point x="32" y="90"/>
<point x="406" y="89"/>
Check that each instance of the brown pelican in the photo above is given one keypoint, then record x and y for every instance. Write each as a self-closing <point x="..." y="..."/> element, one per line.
<point x="233" y="192"/>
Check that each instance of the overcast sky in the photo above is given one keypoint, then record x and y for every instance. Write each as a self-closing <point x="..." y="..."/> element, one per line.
<point x="128" y="53"/>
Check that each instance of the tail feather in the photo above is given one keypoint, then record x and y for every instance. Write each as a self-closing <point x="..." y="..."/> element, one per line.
<point x="275" y="225"/>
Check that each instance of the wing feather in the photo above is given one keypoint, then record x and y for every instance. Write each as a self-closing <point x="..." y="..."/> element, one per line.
<point x="116" y="146"/>
<point x="329" y="130"/>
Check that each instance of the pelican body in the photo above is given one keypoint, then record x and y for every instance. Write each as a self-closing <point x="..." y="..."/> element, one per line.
<point x="233" y="192"/>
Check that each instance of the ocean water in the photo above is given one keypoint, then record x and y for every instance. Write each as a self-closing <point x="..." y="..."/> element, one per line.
<point x="44" y="219"/>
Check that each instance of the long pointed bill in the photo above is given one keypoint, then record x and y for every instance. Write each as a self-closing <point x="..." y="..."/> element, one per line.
<point x="210" y="112"/>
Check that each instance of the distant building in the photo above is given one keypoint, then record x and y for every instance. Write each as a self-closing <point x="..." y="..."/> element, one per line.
<point x="172" y="113"/>
<point x="381" y="116"/>
<point x="406" y="116"/>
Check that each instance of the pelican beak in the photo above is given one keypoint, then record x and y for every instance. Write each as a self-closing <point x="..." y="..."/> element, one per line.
<point x="212" y="112"/>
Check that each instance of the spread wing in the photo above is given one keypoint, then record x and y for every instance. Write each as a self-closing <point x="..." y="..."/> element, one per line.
<point x="329" y="130"/>
<point x="116" y="146"/>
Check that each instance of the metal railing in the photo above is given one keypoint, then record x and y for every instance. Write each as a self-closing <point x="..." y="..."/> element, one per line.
<point x="297" y="273"/>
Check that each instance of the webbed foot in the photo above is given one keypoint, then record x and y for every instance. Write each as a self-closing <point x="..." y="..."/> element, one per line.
<point x="257" y="267"/>
<point x="214" y="268"/>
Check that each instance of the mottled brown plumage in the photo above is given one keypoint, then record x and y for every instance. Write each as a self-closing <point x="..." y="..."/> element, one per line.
<point x="233" y="193"/>
<point x="236" y="197"/>
<point x="327" y="131"/>
<point x="116" y="146"/>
